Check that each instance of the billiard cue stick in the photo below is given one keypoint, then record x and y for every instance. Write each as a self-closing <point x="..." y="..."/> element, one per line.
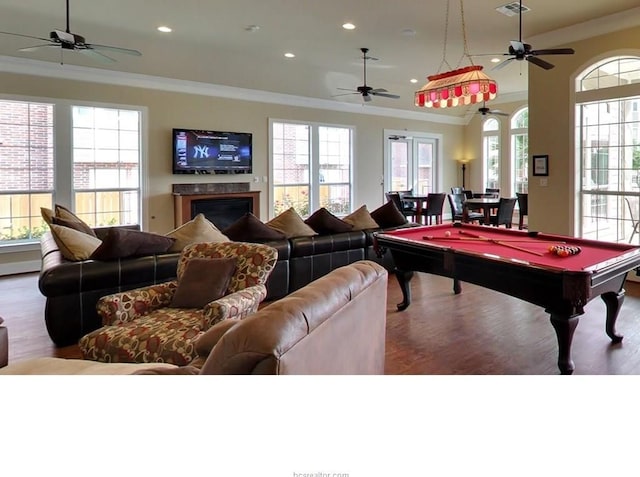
<point x="484" y="239"/>
<point x="504" y="244"/>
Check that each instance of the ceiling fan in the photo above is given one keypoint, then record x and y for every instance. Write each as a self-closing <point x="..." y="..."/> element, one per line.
<point x="72" y="41"/>
<point x="518" y="50"/>
<point x="485" y="111"/>
<point x="364" y="90"/>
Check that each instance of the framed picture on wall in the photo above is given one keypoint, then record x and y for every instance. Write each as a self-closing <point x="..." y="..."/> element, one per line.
<point x="541" y="165"/>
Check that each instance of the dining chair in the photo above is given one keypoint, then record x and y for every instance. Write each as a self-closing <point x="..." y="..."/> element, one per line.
<point x="523" y="207"/>
<point x="468" y="193"/>
<point x="504" y="214"/>
<point x="494" y="192"/>
<point x="457" y="190"/>
<point x="435" y="203"/>
<point x="395" y="197"/>
<point x="634" y="221"/>
<point x="456" y="202"/>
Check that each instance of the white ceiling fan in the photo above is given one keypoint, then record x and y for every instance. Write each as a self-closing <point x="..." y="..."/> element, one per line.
<point x="66" y="40"/>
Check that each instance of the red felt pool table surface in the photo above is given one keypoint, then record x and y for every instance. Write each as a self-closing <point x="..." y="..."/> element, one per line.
<point x="593" y="255"/>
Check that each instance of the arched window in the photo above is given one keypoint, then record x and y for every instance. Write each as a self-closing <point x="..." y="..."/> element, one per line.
<point x="520" y="151"/>
<point x="491" y="153"/>
<point x="608" y="149"/>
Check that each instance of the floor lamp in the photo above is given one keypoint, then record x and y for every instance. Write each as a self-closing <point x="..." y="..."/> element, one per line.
<point x="464" y="169"/>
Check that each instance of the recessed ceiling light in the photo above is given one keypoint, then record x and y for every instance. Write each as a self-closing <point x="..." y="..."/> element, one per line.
<point x="349" y="26"/>
<point x="495" y="60"/>
<point x="252" y="28"/>
<point x="164" y="29"/>
<point x="413" y="80"/>
<point x="408" y="32"/>
<point x="289" y="55"/>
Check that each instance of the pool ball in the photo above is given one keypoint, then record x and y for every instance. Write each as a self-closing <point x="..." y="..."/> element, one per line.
<point x="447" y="234"/>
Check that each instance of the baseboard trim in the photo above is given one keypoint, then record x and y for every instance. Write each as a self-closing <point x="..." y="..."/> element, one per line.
<point x="20" y="267"/>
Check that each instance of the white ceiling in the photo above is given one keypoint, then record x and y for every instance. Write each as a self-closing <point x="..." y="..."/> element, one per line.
<point x="210" y="42"/>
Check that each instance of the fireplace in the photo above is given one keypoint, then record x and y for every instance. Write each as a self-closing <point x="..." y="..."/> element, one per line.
<point x="222" y="206"/>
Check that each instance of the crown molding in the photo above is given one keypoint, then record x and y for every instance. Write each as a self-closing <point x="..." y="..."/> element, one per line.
<point x="10" y="64"/>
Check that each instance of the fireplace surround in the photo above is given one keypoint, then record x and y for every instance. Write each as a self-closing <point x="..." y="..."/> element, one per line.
<point x="221" y="204"/>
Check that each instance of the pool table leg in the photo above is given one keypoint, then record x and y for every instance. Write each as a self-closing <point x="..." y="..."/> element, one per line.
<point x="613" y="301"/>
<point x="404" y="280"/>
<point x="564" y="326"/>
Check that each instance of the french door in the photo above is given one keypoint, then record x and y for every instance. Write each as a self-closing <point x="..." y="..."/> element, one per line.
<point x="412" y="162"/>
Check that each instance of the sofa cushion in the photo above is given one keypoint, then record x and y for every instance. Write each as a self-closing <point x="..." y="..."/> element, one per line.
<point x="122" y="243"/>
<point x="204" y="280"/>
<point x="250" y="228"/>
<point x="65" y="214"/>
<point x="197" y="230"/>
<point x="325" y="223"/>
<point x="291" y="224"/>
<point x="361" y="219"/>
<point x="388" y="215"/>
<point x="74" y="245"/>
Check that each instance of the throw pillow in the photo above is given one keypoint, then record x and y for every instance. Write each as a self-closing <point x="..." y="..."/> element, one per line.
<point x="123" y="243"/>
<point x="250" y="228"/>
<point x="361" y="219"/>
<point x="325" y="223"/>
<point x="72" y="224"/>
<point x="63" y="213"/>
<point x="204" y="280"/>
<point x="74" y="245"/>
<point x="197" y="230"/>
<point x="291" y="224"/>
<point x="47" y="215"/>
<point x="388" y="215"/>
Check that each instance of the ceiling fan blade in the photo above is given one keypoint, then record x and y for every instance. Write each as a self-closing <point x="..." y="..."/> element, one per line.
<point x="96" y="55"/>
<point x="345" y="94"/>
<point x="501" y="65"/>
<point x="385" y="95"/>
<point x="37" y="47"/>
<point x="378" y="90"/>
<point x="24" y="36"/>
<point x="366" y="98"/>
<point x="115" y="49"/>
<point x="517" y="46"/>
<point x="497" y="112"/>
<point x="554" y="51"/>
<point x="539" y="62"/>
<point x="347" y="89"/>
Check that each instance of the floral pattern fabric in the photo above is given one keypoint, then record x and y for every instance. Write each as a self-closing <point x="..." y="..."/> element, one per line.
<point x="140" y="327"/>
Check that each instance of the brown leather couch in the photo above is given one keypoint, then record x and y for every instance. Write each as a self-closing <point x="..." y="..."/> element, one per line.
<point x="334" y="325"/>
<point x="4" y="345"/>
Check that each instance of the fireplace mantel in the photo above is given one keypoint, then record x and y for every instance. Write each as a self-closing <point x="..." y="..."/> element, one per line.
<point x="188" y="201"/>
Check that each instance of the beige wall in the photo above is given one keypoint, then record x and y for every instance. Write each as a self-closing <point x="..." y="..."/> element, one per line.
<point x="551" y="127"/>
<point x="167" y="110"/>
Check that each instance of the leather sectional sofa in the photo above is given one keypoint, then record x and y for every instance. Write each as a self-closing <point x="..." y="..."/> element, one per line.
<point x="72" y="289"/>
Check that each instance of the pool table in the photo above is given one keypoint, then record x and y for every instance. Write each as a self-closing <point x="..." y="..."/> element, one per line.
<point x="518" y="263"/>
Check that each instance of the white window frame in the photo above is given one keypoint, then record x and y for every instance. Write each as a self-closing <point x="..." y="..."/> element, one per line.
<point x="63" y="164"/>
<point x="513" y="132"/>
<point x="486" y="134"/>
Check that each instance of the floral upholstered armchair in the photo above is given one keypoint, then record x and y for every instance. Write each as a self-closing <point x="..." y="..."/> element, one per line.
<point x="146" y="325"/>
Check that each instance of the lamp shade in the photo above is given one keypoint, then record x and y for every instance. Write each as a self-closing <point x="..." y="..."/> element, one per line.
<point x="459" y="87"/>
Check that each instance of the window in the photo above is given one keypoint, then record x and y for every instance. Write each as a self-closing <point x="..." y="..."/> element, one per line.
<point x="98" y="170"/>
<point x="491" y="153"/>
<point x="106" y="165"/>
<point x="26" y="169"/>
<point x="520" y="151"/>
<point x="311" y="168"/>
<point x="608" y="157"/>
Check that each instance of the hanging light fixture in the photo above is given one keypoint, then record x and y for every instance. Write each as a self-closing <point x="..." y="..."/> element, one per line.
<point x="458" y="87"/>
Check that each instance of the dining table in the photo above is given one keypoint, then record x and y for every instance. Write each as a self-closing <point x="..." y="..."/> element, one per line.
<point x="419" y="201"/>
<point x="485" y="204"/>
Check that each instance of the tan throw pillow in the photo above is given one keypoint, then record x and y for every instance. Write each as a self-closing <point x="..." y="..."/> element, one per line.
<point x="74" y="245"/>
<point x="204" y="280"/>
<point x="361" y="219"/>
<point x="65" y="214"/>
<point x="291" y="224"/>
<point x="47" y="215"/>
<point x="197" y="230"/>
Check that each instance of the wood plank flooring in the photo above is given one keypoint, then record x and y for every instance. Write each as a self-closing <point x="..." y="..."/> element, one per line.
<point x="476" y="332"/>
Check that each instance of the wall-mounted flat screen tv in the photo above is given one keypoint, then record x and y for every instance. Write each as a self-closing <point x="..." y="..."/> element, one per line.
<point x="211" y="152"/>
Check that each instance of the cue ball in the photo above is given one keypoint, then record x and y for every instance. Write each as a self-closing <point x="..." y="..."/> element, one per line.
<point x="447" y="234"/>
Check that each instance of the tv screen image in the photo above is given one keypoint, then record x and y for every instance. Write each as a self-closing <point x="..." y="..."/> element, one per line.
<point x="199" y="151"/>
